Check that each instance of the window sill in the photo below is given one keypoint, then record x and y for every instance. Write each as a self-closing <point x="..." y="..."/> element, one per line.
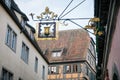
<point x="14" y="50"/>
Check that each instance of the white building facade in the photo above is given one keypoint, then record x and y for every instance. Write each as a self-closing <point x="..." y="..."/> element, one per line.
<point x="20" y="57"/>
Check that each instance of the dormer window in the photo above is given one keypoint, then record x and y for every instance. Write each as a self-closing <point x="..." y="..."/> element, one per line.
<point x="32" y="35"/>
<point x="8" y="3"/>
<point x="23" y="22"/>
<point x="56" y="54"/>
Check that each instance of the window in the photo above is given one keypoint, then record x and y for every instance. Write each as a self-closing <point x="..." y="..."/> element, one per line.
<point x="67" y="68"/>
<point x="36" y="64"/>
<point x="8" y="36"/>
<point x="25" y="53"/>
<point x="13" y="45"/>
<point x="56" y="54"/>
<point x="89" y="58"/>
<point x="8" y="3"/>
<point x="23" y="22"/>
<point x="43" y="73"/>
<point x="49" y="70"/>
<point x="6" y="75"/>
<point x="20" y="79"/>
<point x="84" y="68"/>
<point x="11" y="38"/>
<point x="75" y="68"/>
<point x="53" y="70"/>
<point x="32" y="35"/>
<point x="87" y="70"/>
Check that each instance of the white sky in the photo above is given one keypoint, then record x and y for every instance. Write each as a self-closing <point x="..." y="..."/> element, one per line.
<point x="85" y="10"/>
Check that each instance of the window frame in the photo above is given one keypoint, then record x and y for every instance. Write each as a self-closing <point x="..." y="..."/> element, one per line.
<point x="32" y="35"/>
<point x="53" y="69"/>
<point x="23" y="22"/>
<point x="56" y="54"/>
<point x="25" y="50"/>
<point x="43" y="72"/>
<point x="11" y="41"/>
<point x="8" y="36"/>
<point x="75" y="68"/>
<point x="8" y="75"/>
<point x="36" y="65"/>
<point x="68" y="68"/>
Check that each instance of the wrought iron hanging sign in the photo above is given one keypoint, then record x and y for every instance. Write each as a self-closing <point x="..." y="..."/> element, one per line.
<point x="47" y="30"/>
<point x="47" y="27"/>
<point x="49" y="22"/>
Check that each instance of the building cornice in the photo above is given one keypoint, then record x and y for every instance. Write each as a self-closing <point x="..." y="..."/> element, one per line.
<point x="66" y="62"/>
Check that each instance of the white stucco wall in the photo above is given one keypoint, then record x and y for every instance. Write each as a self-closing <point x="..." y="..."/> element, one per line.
<point x="11" y="60"/>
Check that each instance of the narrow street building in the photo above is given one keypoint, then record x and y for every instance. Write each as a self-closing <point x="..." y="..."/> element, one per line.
<point x="20" y="56"/>
<point x="71" y="57"/>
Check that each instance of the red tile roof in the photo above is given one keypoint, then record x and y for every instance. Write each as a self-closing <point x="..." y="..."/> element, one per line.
<point x="73" y="42"/>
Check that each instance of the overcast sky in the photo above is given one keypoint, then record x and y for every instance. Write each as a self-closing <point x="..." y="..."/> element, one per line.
<point x="85" y="10"/>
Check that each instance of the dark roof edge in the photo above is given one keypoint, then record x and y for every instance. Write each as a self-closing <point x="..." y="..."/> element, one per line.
<point x="16" y="8"/>
<point x="24" y="16"/>
<point x="96" y="8"/>
<point x="33" y="29"/>
<point x="14" y="17"/>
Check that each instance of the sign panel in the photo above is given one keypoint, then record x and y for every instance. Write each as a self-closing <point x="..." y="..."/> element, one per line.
<point x="47" y="31"/>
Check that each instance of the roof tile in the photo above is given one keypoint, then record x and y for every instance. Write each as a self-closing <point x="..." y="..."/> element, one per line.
<point x="75" y="42"/>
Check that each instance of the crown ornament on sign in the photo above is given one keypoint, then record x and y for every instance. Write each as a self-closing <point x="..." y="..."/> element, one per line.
<point x="47" y="27"/>
<point x="46" y="15"/>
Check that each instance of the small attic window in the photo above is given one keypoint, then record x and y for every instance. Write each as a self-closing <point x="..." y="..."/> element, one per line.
<point x="23" y="22"/>
<point x="56" y="53"/>
<point x="8" y="3"/>
<point x="31" y="35"/>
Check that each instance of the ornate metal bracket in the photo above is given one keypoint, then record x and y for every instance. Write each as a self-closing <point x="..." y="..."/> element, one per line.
<point x="91" y="25"/>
